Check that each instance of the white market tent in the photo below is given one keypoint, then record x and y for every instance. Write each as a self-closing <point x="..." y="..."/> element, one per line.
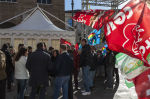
<point x="34" y="28"/>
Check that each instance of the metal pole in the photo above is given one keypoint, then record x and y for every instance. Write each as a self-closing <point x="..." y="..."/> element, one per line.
<point x="72" y="11"/>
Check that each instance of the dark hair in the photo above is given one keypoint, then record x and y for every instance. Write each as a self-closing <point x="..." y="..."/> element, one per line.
<point x="57" y="52"/>
<point x="29" y="47"/>
<point x="63" y="46"/>
<point x="84" y="40"/>
<point x="20" y="53"/>
<point x="51" y="48"/>
<point x="4" y="47"/>
<point x="20" y="46"/>
<point x="40" y="45"/>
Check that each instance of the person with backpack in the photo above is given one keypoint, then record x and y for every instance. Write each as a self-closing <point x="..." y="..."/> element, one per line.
<point x="3" y="75"/>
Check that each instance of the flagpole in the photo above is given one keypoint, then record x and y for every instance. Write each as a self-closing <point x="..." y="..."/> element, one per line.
<point x="72" y="11"/>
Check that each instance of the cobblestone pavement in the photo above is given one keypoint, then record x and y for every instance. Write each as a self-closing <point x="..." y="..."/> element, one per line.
<point x="97" y="93"/>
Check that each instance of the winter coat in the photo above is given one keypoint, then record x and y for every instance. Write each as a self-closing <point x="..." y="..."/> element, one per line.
<point x="64" y="65"/>
<point x="93" y="61"/>
<point x="39" y="64"/>
<point x="85" y="57"/>
<point x="9" y="63"/>
<point x="21" y="71"/>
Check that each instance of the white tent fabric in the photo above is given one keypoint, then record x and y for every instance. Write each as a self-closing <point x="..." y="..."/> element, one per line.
<point x="37" y="21"/>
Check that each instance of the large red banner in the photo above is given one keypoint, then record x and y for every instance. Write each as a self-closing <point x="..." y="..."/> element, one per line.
<point x="129" y="30"/>
<point x="93" y="18"/>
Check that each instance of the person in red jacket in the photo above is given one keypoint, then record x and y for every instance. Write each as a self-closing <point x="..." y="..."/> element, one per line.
<point x="76" y="59"/>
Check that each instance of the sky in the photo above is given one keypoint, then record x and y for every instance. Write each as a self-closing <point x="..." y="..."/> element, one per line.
<point x="77" y="5"/>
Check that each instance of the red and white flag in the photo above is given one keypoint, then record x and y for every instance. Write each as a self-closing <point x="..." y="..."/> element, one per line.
<point x="142" y="85"/>
<point x="93" y="18"/>
<point x="129" y="30"/>
<point x="63" y="41"/>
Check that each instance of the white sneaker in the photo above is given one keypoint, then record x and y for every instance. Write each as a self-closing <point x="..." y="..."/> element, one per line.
<point x="86" y="93"/>
<point x="82" y="91"/>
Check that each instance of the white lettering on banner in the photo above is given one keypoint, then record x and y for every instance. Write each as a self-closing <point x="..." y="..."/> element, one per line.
<point x="128" y="9"/>
<point x="119" y="19"/>
<point x="127" y="32"/>
<point x="148" y="44"/>
<point x="142" y="49"/>
<point x="108" y="30"/>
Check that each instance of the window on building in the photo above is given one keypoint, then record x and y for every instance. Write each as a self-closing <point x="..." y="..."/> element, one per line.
<point x="7" y="0"/>
<point x="44" y="1"/>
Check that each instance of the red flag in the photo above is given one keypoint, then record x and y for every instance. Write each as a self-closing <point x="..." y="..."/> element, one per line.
<point x="93" y="18"/>
<point x="129" y="32"/>
<point x="63" y="41"/>
<point x="77" y="46"/>
<point x="142" y="85"/>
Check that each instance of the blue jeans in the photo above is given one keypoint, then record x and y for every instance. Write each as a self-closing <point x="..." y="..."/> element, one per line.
<point x="21" y="83"/>
<point x="61" y="82"/>
<point x="86" y="78"/>
<point x="92" y="76"/>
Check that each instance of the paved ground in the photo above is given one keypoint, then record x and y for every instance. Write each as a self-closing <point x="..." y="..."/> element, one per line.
<point x="98" y="92"/>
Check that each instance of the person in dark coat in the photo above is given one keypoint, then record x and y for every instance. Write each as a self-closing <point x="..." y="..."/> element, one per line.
<point x="9" y="66"/>
<point x="39" y="64"/>
<point x="109" y="69"/>
<point x="54" y="56"/>
<point x="63" y="70"/>
<point x="50" y="50"/>
<point x="85" y="62"/>
<point x="29" y="50"/>
<point x="93" y="66"/>
<point x="70" y="85"/>
<point x="99" y="64"/>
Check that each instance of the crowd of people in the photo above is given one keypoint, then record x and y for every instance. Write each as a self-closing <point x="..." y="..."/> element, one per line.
<point x="62" y="67"/>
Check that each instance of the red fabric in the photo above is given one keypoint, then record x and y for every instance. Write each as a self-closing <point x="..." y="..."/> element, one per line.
<point x="76" y="58"/>
<point x="93" y="18"/>
<point x="129" y="32"/>
<point x="142" y="85"/>
<point x="63" y="41"/>
<point x="77" y="47"/>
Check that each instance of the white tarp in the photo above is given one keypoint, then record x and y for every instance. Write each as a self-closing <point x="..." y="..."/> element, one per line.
<point x="37" y="21"/>
<point x="123" y="91"/>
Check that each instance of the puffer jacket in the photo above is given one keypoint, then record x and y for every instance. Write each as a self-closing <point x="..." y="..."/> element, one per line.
<point x="2" y="66"/>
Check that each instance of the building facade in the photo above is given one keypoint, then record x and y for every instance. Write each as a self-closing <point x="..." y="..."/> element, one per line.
<point x="11" y="8"/>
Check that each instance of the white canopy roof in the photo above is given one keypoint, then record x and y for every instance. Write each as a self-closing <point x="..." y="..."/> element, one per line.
<point x="36" y="21"/>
